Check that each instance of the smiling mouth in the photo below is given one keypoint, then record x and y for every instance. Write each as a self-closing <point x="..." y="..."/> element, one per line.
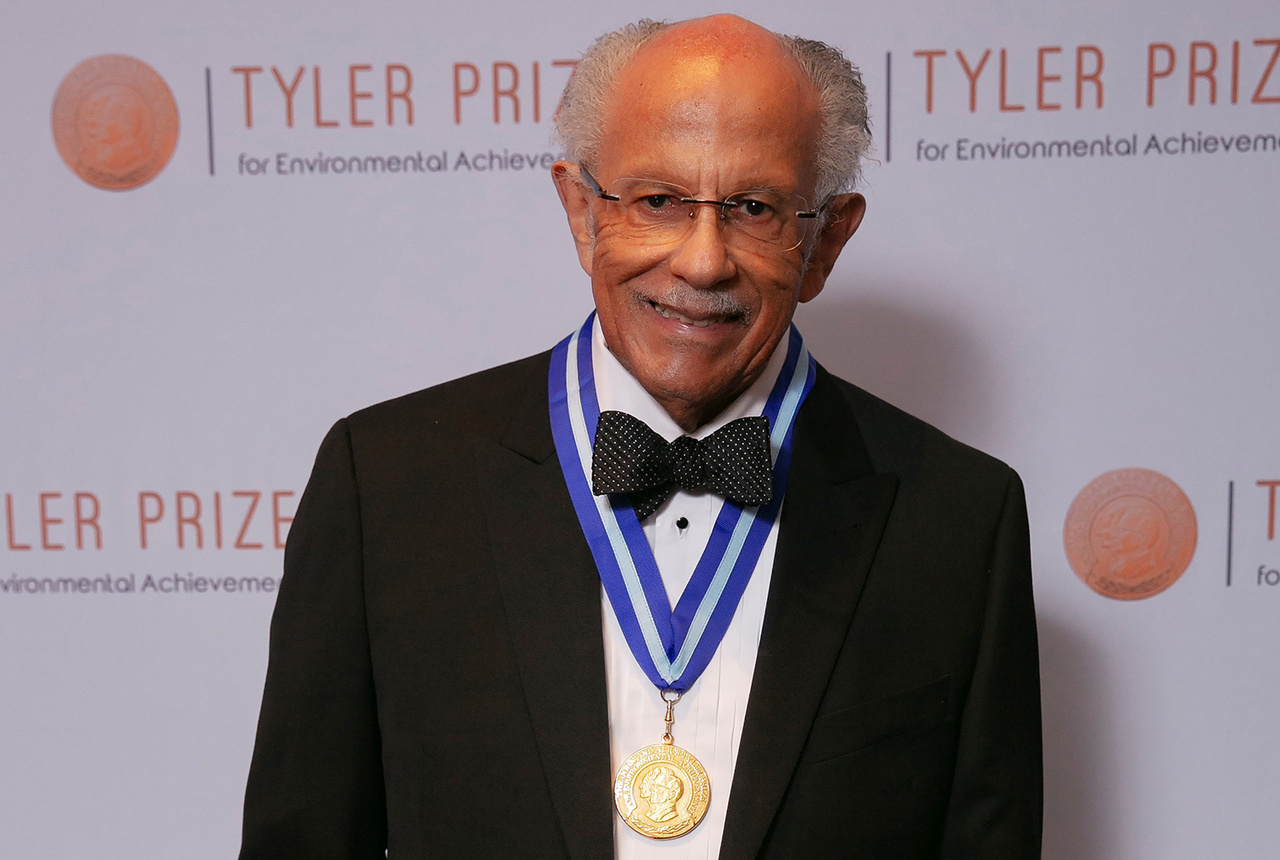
<point x="694" y="318"/>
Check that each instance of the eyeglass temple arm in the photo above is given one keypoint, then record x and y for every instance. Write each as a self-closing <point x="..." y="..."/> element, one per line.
<point x="595" y="186"/>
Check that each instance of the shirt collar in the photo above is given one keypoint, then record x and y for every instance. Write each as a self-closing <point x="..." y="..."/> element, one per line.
<point x="617" y="389"/>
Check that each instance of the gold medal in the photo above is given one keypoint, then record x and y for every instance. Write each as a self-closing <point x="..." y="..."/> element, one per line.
<point x="662" y="791"/>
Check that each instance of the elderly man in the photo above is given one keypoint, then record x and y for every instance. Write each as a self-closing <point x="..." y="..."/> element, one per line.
<point x="670" y="590"/>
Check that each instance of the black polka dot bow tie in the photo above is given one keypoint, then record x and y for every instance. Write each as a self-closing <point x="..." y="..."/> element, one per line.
<point x="629" y="457"/>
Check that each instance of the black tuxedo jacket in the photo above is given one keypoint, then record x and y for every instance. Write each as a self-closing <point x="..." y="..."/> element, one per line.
<point x="436" y="685"/>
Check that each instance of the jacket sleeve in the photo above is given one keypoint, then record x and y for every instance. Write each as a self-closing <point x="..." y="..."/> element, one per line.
<point x="315" y="787"/>
<point x="996" y="804"/>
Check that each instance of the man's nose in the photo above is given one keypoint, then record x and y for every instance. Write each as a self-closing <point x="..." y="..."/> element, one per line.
<point x="702" y="258"/>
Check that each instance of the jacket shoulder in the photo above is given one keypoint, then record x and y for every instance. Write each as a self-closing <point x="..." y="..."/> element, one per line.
<point x="479" y="403"/>
<point x="899" y="442"/>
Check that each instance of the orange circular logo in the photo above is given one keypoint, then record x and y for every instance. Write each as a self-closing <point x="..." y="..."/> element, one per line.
<point x="1130" y="534"/>
<point x="115" y="122"/>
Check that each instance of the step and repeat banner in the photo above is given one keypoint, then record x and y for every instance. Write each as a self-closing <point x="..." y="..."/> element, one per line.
<point x="224" y="227"/>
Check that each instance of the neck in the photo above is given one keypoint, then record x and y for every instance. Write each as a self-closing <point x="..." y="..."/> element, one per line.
<point x="691" y="416"/>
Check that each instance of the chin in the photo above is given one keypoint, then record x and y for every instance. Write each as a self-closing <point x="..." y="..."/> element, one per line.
<point x="706" y="397"/>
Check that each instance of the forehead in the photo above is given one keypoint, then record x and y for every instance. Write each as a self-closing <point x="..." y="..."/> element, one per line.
<point x="710" y="107"/>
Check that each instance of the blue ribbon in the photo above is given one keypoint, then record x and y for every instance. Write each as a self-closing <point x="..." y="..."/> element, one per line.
<point x="673" y="648"/>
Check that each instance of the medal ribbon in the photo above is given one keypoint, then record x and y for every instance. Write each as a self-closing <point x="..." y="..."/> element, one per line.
<point x="671" y="647"/>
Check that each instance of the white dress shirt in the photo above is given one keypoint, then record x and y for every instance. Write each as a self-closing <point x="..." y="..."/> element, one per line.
<point x="709" y="717"/>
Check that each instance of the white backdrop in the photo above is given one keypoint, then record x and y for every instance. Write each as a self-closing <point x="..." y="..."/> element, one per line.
<point x="1070" y="313"/>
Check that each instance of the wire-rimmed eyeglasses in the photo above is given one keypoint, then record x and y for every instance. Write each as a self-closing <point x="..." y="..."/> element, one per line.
<point x="662" y="212"/>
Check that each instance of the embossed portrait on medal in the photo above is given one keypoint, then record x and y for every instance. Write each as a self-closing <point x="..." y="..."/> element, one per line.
<point x="661" y="789"/>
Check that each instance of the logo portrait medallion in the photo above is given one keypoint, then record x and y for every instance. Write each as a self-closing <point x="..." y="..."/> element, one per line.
<point x="115" y="122"/>
<point x="1130" y="533"/>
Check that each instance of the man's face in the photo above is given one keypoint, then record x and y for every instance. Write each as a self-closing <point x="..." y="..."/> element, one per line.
<point x="696" y="319"/>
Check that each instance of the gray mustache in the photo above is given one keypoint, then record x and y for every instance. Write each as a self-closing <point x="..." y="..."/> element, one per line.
<point x="691" y="300"/>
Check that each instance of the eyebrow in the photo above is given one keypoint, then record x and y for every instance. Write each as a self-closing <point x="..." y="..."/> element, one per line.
<point x="767" y="189"/>
<point x="758" y="188"/>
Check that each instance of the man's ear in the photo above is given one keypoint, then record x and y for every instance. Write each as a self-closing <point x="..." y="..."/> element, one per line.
<point x="574" y="196"/>
<point x="846" y="214"/>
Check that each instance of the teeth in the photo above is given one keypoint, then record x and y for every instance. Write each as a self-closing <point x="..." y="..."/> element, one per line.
<point x="672" y="314"/>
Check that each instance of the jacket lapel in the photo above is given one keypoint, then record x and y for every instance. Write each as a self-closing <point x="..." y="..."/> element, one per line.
<point x="551" y="592"/>
<point x="835" y="510"/>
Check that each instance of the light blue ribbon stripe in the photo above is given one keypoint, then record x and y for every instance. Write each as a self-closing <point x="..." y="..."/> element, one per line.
<point x="786" y="415"/>
<point x="709" y="601"/>
<point x="791" y="403"/>
<point x="626" y="565"/>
